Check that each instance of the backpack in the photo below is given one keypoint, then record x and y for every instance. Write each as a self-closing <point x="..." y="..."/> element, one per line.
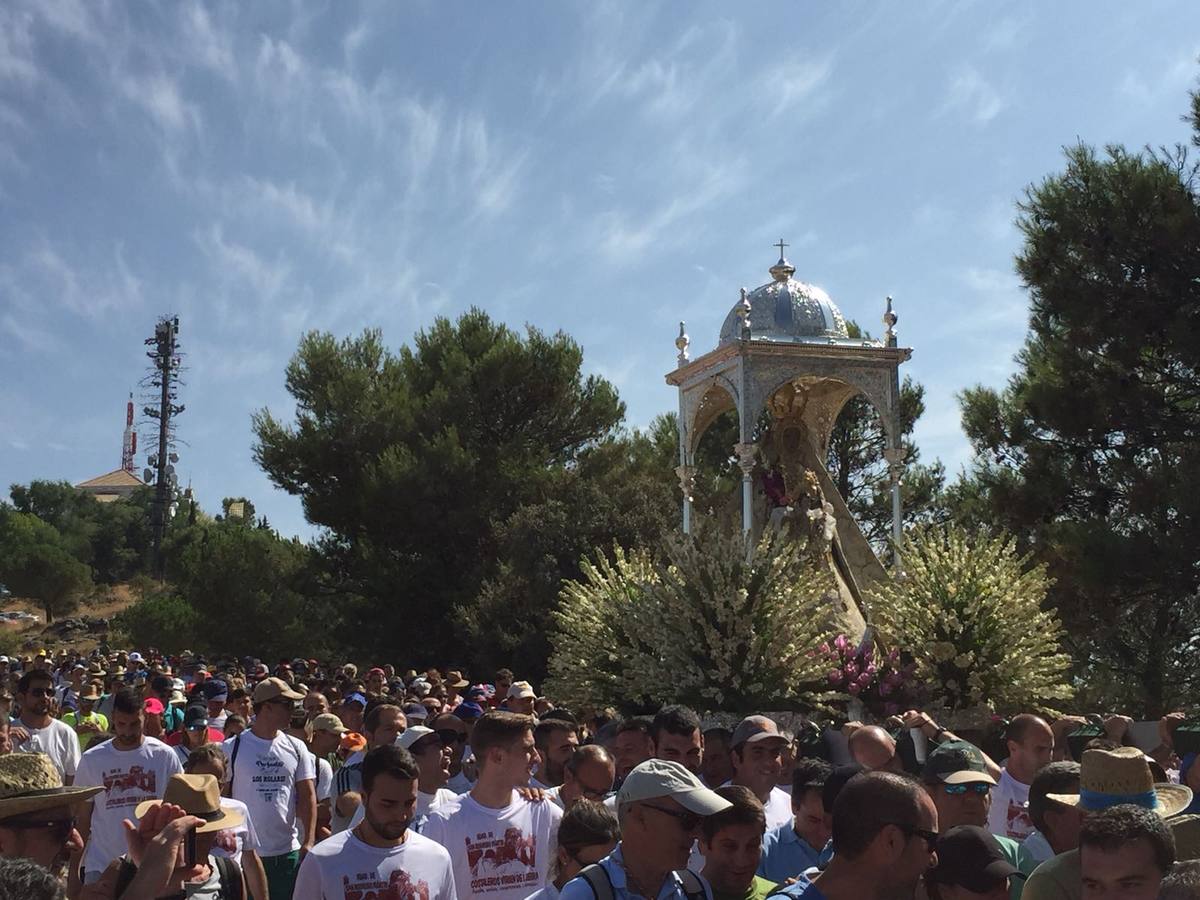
<point x="597" y="878"/>
<point x="228" y="872"/>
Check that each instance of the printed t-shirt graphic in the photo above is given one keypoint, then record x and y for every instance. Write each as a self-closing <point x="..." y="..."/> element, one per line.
<point x="498" y="854"/>
<point x="345" y="868"/>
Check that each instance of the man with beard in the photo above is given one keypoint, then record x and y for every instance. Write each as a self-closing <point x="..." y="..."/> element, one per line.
<point x="39" y="732"/>
<point x="36" y="818"/>
<point x="380" y="856"/>
<point x="131" y="768"/>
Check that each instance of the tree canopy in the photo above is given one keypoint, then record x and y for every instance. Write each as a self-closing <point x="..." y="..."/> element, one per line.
<point x="1090" y="454"/>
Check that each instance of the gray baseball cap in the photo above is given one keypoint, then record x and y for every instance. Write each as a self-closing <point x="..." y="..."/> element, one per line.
<point x="666" y="778"/>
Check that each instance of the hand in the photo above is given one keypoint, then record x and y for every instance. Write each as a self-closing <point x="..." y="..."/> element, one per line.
<point x="850" y="727"/>
<point x="162" y="864"/>
<point x="916" y="719"/>
<point x="1116" y="727"/>
<point x="533" y="795"/>
<point x="1166" y="728"/>
<point x="17" y="734"/>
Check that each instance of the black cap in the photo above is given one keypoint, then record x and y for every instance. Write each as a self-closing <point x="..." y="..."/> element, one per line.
<point x="970" y="856"/>
<point x="195" y="717"/>
<point x="835" y="782"/>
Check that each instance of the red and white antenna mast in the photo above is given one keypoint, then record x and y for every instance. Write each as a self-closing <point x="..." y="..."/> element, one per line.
<point x="129" y="444"/>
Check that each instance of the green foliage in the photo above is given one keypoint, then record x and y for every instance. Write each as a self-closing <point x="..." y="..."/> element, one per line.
<point x="1091" y="454"/>
<point x="112" y="538"/>
<point x="969" y="609"/>
<point x="621" y="490"/>
<point x="252" y="592"/>
<point x="160" y="619"/>
<point x="414" y="461"/>
<point x="715" y="624"/>
<point x="34" y="563"/>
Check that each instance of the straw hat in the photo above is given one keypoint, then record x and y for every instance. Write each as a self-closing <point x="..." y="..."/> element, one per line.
<point x="199" y="795"/>
<point x="1106" y="775"/>
<point x="29" y="782"/>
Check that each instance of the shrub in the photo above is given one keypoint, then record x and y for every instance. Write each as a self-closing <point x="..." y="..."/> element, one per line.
<point x="970" y="611"/>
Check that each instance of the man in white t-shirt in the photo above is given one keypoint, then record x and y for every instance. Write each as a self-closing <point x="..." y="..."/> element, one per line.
<point x="757" y="752"/>
<point x="273" y="774"/>
<point x="42" y="732"/>
<point x="1030" y="743"/>
<point x="383" y="723"/>
<point x="501" y="843"/>
<point x="132" y="768"/>
<point x="380" y="856"/>
<point x="433" y="770"/>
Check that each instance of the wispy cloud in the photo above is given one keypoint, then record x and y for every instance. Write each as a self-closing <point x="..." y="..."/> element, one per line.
<point x="159" y="96"/>
<point x="794" y="85"/>
<point x="237" y="261"/>
<point x="973" y="95"/>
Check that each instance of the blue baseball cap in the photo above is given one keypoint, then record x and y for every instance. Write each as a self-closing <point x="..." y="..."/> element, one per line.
<point x="356" y="697"/>
<point x="468" y="710"/>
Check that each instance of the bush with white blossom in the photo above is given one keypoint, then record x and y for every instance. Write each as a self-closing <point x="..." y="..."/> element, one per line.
<point x="971" y="613"/>
<point x="716" y="623"/>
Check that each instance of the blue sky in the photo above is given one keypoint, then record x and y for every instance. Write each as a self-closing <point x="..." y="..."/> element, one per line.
<point x="263" y="169"/>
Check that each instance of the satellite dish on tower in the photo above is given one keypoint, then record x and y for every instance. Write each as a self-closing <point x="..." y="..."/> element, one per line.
<point x="173" y="457"/>
<point x="147" y="476"/>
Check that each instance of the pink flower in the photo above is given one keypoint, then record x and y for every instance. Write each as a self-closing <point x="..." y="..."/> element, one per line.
<point x="851" y="670"/>
<point x="868" y="653"/>
<point x="840" y="642"/>
<point x="864" y="681"/>
<point x="824" y="648"/>
<point x="835" y="676"/>
<point x="871" y="670"/>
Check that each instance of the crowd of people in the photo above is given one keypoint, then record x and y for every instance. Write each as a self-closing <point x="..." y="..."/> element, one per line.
<point x="138" y="776"/>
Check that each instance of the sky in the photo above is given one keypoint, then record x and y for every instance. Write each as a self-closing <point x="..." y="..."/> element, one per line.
<point x="608" y="169"/>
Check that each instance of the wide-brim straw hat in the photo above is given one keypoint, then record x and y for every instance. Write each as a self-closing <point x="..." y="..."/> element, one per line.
<point x="1109" y="777"/>
<point x="199" y="795"/>
<point x="29" y="782"/>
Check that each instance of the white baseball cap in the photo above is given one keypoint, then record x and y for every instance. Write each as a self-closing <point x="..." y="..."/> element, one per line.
<point x="411" y="735"/>
<point x="666" y="778"/>
<point x="521" y="690"/>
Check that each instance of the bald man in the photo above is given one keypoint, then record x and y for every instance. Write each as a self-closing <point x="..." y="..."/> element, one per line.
<point x="1030" y="742"/>
<point x="874" y="749"/>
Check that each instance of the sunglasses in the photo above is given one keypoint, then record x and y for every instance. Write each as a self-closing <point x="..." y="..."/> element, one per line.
<point x="958" y="790"/>
<point x="449" y="737"/>
<point x="689" y="821"/>
<point x="929" y="837"/>
<point x="62" y="828"/>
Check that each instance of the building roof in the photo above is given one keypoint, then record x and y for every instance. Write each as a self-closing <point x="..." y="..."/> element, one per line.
<point x="117" y="478"/>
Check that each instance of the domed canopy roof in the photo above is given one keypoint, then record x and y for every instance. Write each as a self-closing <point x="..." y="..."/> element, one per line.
<point x="787" y="311"/>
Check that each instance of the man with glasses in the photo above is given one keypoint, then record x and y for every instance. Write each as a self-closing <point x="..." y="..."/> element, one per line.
<point x="38" y="731"/>
<point x="884" y="840"/>
<point x="661" y="806"/>
<point x="956" y="778"/>
<point x="36" y="819"/>
<point x="274" y="775"/>
<point x="452" y="731"/>
<point x="588" y="775"/>
<point x="131" y="768"/>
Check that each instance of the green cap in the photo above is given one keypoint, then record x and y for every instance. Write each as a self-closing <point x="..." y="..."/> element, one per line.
<point x="956" y="762"/>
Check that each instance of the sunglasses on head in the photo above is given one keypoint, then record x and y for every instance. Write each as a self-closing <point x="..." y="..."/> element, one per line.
<point x="958" y="790"/>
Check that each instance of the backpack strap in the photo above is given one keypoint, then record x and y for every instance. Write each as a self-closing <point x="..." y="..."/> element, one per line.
<point x="598" y="880"/>
<point x="693" y="887"/>
<point x="230" y="874"/>
<point x="237" y="743"/>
